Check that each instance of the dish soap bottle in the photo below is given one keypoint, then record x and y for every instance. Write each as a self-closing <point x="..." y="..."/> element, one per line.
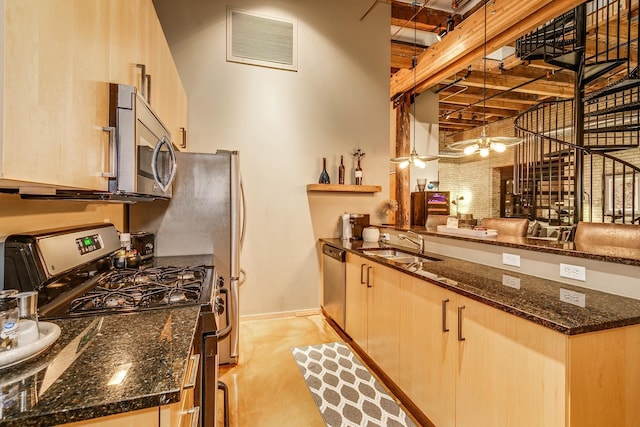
<point x="324" y="176"/>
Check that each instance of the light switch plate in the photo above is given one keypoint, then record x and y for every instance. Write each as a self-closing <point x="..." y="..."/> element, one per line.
<point x="573" y="272"/>
<point x="511" y="259"/>
<point x="572" y="297"/>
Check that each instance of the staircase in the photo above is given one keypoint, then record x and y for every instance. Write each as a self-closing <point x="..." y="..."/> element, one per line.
<point x="580" y="159"/>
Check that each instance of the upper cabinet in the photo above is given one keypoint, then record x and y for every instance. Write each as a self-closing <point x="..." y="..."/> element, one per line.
<point x="140" y="57"/>
<point x="59" y="58"/>
<point x="55" y="93"/>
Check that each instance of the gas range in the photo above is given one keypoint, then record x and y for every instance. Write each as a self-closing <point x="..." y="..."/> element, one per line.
<point x="89" y="283"/>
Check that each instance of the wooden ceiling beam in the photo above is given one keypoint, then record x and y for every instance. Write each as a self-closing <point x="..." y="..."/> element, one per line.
<point x="506" y="21"/>
<point x="448" y="107"/>
<point x="479" y="93"/>
<point x="427" y="20"/>
<point x="500" y="82"/>
<point x="464" y="100"/>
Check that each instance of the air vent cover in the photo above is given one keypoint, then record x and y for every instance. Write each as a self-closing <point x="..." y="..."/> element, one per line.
<point x="261" y="40"/>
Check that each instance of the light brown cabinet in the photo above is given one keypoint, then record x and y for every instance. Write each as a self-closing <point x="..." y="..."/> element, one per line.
<point x="428" y="348"/>
<point x="467" y="364"/>
<point x="59" y="59"/>
<point x="372" y="304"/>
<point x="141" y="58"/>
<point x="510" y="371"/>
<point x="55" y="93"/>
<point x="180" y="414"/>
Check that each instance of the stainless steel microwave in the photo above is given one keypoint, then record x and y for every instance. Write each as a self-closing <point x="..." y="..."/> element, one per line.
<point x="145" y="160"/>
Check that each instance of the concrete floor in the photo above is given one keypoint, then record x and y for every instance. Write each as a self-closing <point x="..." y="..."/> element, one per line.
<point x="265" y="387"/>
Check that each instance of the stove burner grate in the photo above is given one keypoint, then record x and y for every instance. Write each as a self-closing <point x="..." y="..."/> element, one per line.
<point x="129" y="289"/>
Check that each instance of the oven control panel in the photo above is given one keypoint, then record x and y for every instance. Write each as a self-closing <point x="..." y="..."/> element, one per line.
<point x="87" y="244"/>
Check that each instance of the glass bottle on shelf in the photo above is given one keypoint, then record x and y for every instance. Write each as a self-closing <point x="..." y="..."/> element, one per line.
<point x="324" y="176"/>
<point x="341" y="171"/>
<point x="358" y="173"/>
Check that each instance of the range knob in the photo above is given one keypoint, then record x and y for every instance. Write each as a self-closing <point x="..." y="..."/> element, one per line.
<point x="220" y="282"/>
<point x="219" y="306"/>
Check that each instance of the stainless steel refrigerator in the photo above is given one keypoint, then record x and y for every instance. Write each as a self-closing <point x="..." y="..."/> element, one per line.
<point x="205" y="216"/>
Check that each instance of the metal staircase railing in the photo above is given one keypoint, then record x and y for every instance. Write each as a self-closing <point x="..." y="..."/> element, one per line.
<point x="583" y="163"/>
<point x="545" y="172"/>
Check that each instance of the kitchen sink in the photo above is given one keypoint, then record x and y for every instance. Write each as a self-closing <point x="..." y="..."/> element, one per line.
<point x="399" y="256"/>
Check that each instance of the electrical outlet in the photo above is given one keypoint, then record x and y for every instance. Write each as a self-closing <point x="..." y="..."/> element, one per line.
<point x="573" y="272"/>
<point x="510" y="281"/>
<point x="572" y="297"/>
<point x="511" y="259"/>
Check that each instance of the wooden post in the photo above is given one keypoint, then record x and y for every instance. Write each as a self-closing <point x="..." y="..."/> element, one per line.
<point x="403" y="148"/>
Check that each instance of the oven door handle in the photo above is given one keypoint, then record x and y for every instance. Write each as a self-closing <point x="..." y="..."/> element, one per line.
<point x="222" y="333"/>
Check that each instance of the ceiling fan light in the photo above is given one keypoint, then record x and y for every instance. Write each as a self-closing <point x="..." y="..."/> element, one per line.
<point x="404" y="164"/>
<point x="484" y="152"/>
<point x="419" y="163"/>
<point x="470" y="149"/>
<point x="498" y="147"/>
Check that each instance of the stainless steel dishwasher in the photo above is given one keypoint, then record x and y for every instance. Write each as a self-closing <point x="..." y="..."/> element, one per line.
<point x="334" y="282"/>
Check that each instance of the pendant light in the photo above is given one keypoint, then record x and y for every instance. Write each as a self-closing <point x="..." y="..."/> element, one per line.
<point x="413" y="158"/>
<point x="485" y="144"/>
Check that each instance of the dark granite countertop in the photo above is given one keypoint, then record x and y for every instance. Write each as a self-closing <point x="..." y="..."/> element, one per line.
<point x="529" y="297"/>
<point x="618" y="255"/>
<point x="70" y="381"/>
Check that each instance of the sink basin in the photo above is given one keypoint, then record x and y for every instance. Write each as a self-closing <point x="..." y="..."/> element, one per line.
<point x="399" y="256"/>
<point x="386" y="253"/>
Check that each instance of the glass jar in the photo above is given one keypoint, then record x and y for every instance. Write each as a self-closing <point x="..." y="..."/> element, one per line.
<point x="8" y="323"/>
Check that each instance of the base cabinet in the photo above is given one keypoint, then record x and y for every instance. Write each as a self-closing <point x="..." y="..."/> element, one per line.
<point x="467" y="364"/>
<point x="356" y="311"/>
<point x="144" y="417"/>
<point x="428" y="348"/>
<point x="509" y="371"/>
<point x="180" y="414"/>
<point x="373" y="302"/>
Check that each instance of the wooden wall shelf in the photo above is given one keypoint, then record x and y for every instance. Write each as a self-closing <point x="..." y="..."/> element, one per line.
<point x="340" y="188"/>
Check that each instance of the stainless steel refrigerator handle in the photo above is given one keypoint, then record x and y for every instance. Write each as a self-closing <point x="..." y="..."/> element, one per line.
<point x="244" y="217"/>
<point x="243" y="277"/>
<point x="234" y="288"/>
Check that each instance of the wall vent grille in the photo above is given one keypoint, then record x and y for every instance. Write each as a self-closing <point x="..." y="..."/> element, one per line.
<point x="260" y="40"/>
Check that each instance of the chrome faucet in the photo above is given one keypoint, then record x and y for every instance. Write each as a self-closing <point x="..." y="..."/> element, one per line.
<point x="419" y="241"/>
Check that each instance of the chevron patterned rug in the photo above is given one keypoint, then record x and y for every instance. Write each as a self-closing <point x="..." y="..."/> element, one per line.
<point x="344" y="390"/>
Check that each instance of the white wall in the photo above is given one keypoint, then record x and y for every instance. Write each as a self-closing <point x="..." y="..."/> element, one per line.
<point x="283" y="123"/>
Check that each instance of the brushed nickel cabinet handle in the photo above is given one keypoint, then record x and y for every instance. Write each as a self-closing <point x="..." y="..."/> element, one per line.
<point x="148" y="80"/>
<point x="143" y="80"/>
<point x="460" y="337"/>
<point x="369" y="285"/>
<point x="183" y="144"/>
<point x="111" y="173"/>
<point x="192" y="368"/>
<point x="444" y="315"/>
<point x="195" y="416"/>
